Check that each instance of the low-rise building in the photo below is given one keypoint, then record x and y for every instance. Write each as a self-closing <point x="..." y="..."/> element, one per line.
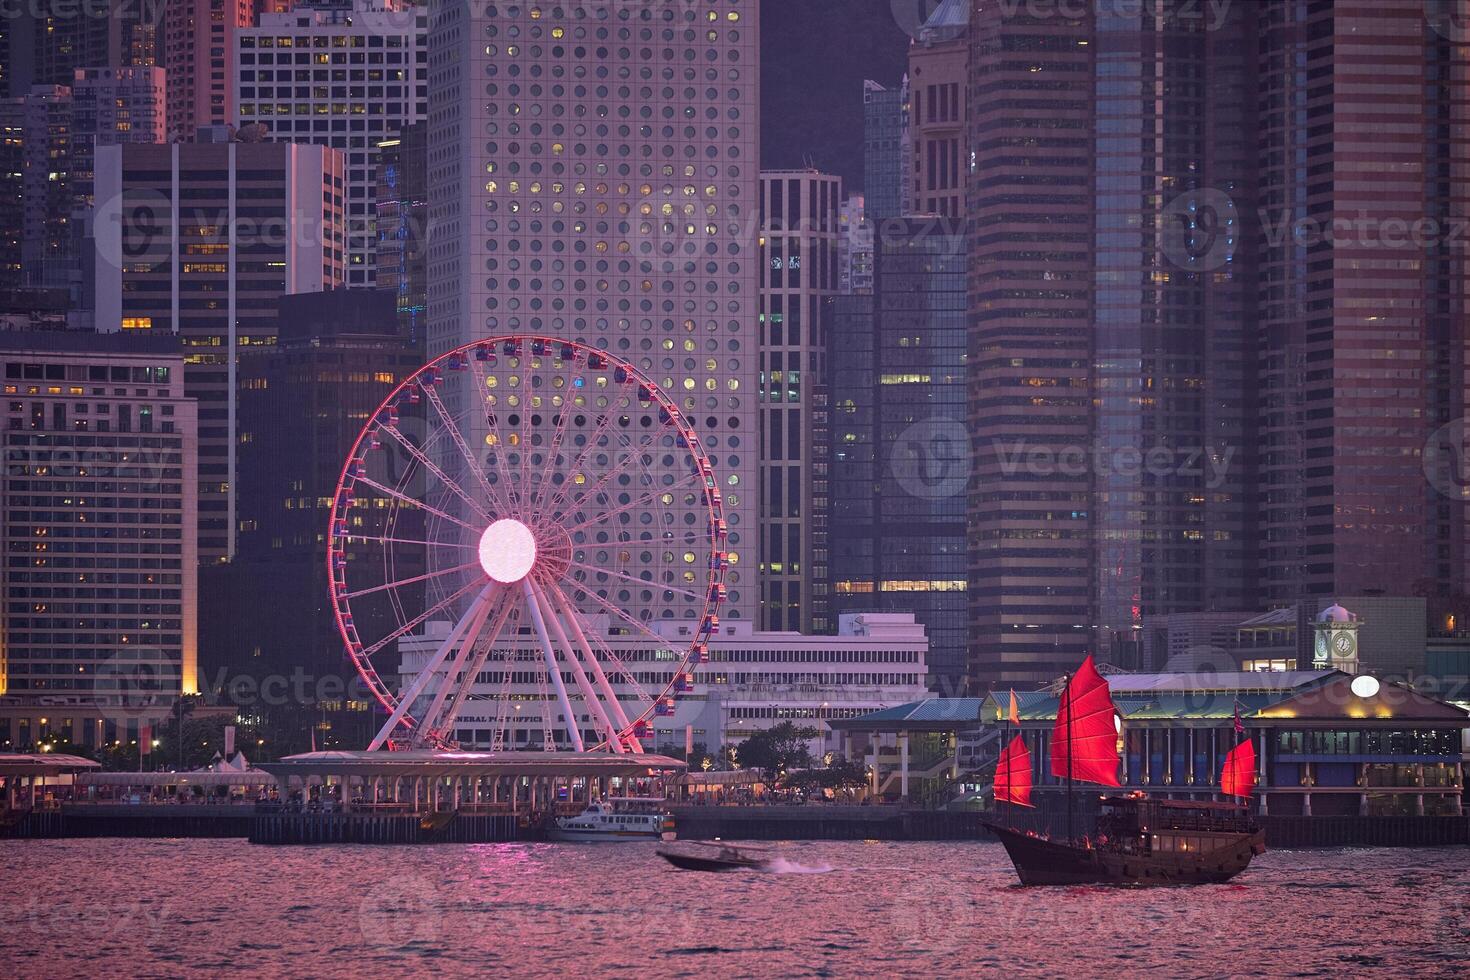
<point x="753" y="680"/>
<point x="1327" y="743"/>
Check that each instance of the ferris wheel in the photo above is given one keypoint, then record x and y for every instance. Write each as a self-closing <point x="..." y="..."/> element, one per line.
<point x="541" y="496"/>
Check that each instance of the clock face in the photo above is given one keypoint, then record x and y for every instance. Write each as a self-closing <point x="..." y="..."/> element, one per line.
<point x="1322" y="643"/>
<point x="1343" y="644"/>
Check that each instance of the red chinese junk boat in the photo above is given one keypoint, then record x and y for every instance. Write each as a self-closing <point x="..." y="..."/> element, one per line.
<point x="1138" y="840"/>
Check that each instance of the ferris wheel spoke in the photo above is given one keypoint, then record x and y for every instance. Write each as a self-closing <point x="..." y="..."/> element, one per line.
<point x="428" y="464"/>
<point x="457" y="437"/>
<point x="504" y="500"/>
<point x="413" y="541"/>
<point x="636" y="502"/>
<point x="661" y="641"/>
<point x="507" y="672"/>
<point x="477" y="370"/>
<point x="632" y="455"/>
<point x="628" y="676"/>
<point x="630" y="679"/>
<point x="636" y="580"/>
<point x="526" y="413"/>
<point x="591" y="447"/>
<point x="419" y="620"/>
<point x="410" y="581"/>
<point x="416" y="503"/>
<point x="542" y="489"/>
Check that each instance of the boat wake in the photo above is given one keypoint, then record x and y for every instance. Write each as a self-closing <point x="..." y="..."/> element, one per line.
<point x="785" y="866"/>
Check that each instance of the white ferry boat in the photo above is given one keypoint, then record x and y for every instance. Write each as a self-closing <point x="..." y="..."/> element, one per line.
<point x="617" y="818"/>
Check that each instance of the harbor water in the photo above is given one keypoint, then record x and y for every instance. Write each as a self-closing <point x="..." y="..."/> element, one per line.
<point x="108" y="907"/>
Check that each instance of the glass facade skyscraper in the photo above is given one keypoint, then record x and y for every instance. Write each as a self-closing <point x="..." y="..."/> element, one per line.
<point x="885" y="149"/>
<point x="899" y="464"/>
<point x="1110" y="303"/>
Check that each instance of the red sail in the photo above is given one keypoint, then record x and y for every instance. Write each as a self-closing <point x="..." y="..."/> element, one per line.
<point x="1238" y="778"/>
<point x="1086" y="730"/>
<point x="1013" y="774"/>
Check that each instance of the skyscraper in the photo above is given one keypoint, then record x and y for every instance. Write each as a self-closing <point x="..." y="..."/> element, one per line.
<point x="347" y="76"/>
<point x="402" y="224"/>
<point x="886" y="149"/>
<point x="1111" y="305"/>
<point x="12" y="192"/>
<point x="198" y="45"/>
<point x="799" y="235"/>
<point x="937" y="78"/>
<point x="1362" y="335"/>
<point x="47" y="43"/>
<point x="201" y="240"/>
<point x="594" y="174"/>
<point x="111" y="106"/>
<point x="899" y="447"/>
<point x="48" y="242"/>
<point x="302" y="400"/>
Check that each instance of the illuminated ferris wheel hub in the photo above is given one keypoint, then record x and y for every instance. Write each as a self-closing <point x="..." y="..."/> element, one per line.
<point x="507" y="551"/>
<point x="528" y="487"/>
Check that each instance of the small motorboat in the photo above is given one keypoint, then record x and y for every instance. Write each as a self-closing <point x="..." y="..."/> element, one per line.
<point x="720" y="857"/>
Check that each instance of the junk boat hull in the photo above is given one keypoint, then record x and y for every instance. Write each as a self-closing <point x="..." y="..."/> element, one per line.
<point x="1040" y="861"/>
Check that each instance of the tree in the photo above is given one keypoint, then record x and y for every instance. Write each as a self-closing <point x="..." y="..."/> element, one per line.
<point x="839" y="774"/>
<point x="778" y="748"/>
<point x="695" y="759"/>
<point x="204" y="737"/>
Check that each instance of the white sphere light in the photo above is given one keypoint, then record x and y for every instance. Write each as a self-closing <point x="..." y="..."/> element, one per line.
<point x="507" y="551"/>
<point x="1365" y="686"/>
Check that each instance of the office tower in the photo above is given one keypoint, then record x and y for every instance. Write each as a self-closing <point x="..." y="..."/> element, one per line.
<point x="886" y="149"/>
<point x="99" y="534"/>
<point x="799" y="234"/>
<point x="347" y="76"/>
<point x="198" y="44"/>
<point x="52" y="134"/>
<point x="938" y="78"/>
<point x="12" y="193"/>
<point x="110" y="106"/>
<point x="47" y="43"/>
<point x="594" y="175"/>
<point x="44" y="120"/>
<point x="1362" y="338"/>
<point x="899" y="463"/>
<point x="402" y="224"/>
<point x="201" y="240"/>
<point x="854" y="247"/>
<point x="1112" y="301"/>
<point x="301" y="404"/>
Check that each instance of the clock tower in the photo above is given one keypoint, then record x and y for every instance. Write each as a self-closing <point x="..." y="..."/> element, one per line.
<point x="1336" y="645"/>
